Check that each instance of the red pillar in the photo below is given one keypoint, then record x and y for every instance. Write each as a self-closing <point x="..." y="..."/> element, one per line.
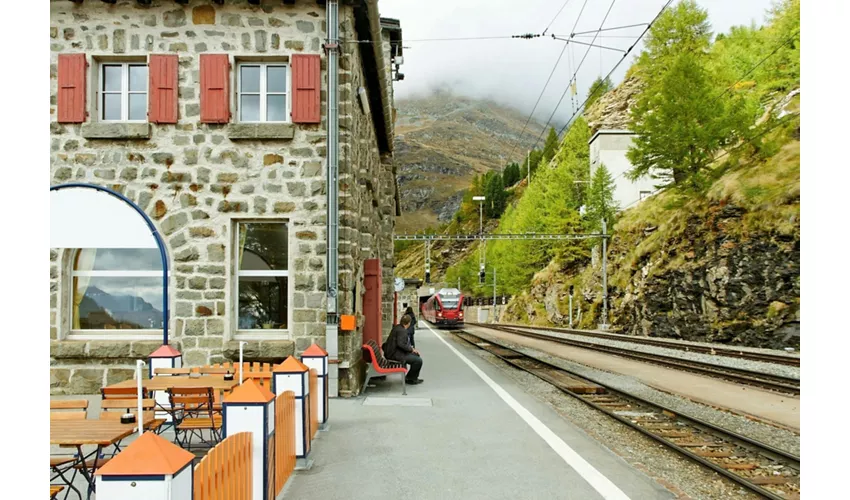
<point x="372" y="301"/>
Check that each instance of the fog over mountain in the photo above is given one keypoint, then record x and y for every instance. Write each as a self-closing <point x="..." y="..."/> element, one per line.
<point x="513" y="71"/>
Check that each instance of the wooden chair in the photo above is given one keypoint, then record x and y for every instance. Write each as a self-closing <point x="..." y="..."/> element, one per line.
<point x="55" y="489"/>
<point x="68" y="409"/>
<point x="192" y="413"/>
<point x="121" y="393"/>
<point x="171" y="371"/>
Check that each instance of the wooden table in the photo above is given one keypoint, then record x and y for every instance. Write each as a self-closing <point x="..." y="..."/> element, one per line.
<point x="166" y="382"/>
<point x="77" y="433"/>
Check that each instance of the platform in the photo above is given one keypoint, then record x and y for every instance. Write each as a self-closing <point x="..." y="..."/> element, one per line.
<point x="468" y="431"/>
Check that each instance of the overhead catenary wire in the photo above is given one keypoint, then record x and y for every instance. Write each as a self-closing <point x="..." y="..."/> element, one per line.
<point x="575" y="73"/>
<point x="628" y="51"/>
<point x="556" y="17"/>
<point x="546" y="85"/>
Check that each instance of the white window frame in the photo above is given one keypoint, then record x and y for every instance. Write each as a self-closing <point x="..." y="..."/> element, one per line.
<point x="125" y="91"/>
<point x="263" y="93"/>
<point x="88" y="334"/>
<point x="644" y="195"/>
<point x="261" y="333"/>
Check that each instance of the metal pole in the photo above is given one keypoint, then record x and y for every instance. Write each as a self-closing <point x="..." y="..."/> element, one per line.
<point x="604" y="275"/>
<point x="480" y="218"/>
<point x="241" y="366"/>
<point x="332" y="325"/>
<point x="528" y="166"/>
<point x="494" y="294"/>
<point x="571" y="310"/>
<point x="139" y="416"/>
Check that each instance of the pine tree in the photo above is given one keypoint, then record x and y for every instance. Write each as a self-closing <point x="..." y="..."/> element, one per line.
<point x="550" y="147"/>
<point x="597" y="89"/>
<point x="511" y="174"/>
<point x="679" y="121"/>
<point x="496" y="197"/>
<point x="600" y="201"/>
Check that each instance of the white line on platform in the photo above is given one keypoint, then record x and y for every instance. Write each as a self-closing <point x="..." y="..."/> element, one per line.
<point x="596" y="479"/>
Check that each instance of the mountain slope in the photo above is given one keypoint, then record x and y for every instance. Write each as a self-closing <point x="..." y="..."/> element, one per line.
<point x="443" y="140"/>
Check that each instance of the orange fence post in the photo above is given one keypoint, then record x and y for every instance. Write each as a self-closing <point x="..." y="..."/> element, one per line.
<point x="314" y="403"/>
<point x="284" y="425"/>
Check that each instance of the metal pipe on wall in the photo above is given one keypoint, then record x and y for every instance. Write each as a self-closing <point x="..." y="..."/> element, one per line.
<point x="332" y="325"/>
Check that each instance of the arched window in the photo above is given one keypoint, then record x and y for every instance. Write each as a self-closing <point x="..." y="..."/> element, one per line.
<point x="116" y="290"/>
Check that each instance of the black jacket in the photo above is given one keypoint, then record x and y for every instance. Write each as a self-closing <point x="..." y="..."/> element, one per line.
<point x="411" y="330"/>
<point x="397" y="345"/>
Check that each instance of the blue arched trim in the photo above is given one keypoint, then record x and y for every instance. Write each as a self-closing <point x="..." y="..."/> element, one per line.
<point x="159" y="243"/>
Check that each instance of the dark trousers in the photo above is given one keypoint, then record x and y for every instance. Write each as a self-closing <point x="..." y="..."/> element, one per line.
<point x="415" y="363"/>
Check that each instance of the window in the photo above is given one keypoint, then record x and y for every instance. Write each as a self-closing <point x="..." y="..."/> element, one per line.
<point x="645" y="194"/>
<point x="116" y="289"/>
<point x="262" y="275"/>
<point x="262" y="92"/>
<point x="123" y="91"/>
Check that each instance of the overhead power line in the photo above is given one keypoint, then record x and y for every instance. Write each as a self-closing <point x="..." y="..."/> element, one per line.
<point x="556" y="17"/>
<point x="575" y="73"/>
<point x="628" y="51"/>
<point x="772" y="53"/>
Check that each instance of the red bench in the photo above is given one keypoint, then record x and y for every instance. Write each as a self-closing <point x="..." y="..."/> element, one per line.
<point x="379" y="365"/>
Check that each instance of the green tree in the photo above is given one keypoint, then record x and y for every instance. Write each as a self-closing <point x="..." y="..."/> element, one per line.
<point x="496" y="198"/>
<point x="511" y="174"/>
<point x="600" y="201"/>
<point x="680" y="123"/>
<point x="550" y="147"/>
<point x="597" y="89"/>
<point x="684" y="28"/>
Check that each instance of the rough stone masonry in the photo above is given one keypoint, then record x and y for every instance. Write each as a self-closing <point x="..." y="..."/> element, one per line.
<point x="195" y="180"/>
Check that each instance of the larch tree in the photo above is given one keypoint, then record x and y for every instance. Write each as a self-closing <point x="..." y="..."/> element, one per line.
<point x="600" y="201"/>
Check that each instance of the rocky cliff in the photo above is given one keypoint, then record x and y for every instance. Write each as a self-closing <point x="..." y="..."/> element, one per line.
<point x="723" y="267"/>
<point x="442" y="141"/>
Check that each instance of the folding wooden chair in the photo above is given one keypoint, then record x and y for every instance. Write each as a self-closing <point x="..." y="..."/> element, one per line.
<point x="113" y="409"/>
<point x="66" y="409"/>
<point x="192" y="413"/>
<point x="121" y="393"/>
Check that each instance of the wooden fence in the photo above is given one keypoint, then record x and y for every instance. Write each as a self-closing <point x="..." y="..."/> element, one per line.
<point x="314" y="403"/>
<point x="225" y="472"/>
<point x="284" y="446"/>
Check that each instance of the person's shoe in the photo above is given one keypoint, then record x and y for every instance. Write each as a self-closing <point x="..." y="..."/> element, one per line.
<point x="413" y="382"/>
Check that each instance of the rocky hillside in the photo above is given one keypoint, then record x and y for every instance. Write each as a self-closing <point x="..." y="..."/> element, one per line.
<point x="443" y="141"/>
<point x="722" y="268"/>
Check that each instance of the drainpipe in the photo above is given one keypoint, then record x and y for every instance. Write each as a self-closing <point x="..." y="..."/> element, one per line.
<point x="332" y="325"/>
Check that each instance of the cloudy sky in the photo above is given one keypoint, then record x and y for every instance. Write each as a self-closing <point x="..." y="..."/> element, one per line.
<point x="514" y="71"/>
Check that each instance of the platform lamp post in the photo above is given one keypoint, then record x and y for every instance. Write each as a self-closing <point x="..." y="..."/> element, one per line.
<point x="480" y="200"/>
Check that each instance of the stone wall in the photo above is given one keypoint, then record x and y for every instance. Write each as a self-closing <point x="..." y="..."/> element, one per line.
<point x="366" y="219"/>
<point x="195" y="180"/>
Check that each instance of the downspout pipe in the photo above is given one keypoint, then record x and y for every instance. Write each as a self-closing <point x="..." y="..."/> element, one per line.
<point x="332" y="325"/>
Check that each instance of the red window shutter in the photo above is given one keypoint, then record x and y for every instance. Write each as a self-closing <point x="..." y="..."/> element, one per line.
<point x="306" y="88"/>
<point x="162" y="103"/>
<point x="215" y="88"/>
<point x="71" y="98"/>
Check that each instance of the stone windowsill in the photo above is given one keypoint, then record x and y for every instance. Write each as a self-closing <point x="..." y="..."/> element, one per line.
<point x="261" y="131"/>
<point x="116" y="130"/>
<point x="259" y="350"/>
<point x="102" y="349"/>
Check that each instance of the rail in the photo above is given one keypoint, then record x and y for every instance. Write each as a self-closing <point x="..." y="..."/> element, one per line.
<point x="779" y="383"/>
<point x="782" y="359"/>
<point x="761" y="468"/>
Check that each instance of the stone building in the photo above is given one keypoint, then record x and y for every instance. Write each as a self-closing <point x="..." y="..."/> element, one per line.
<point x="211" y="115"/>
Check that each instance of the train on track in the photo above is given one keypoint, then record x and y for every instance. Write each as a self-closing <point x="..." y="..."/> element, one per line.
<point x="444" y="308"/>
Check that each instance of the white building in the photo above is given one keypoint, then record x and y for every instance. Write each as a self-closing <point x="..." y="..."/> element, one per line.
<point x="609" y="147"/>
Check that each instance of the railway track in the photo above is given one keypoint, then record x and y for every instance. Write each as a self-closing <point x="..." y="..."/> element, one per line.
<point x="786" y="385"/>
<point x="759" y="467"/>
<point x="713" y="350"/>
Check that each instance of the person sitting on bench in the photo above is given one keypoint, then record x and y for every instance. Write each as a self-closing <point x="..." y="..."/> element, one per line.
<point x="398" y="348"/>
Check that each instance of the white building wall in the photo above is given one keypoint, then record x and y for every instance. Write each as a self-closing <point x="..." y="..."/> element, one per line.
<point x="609" y="148"/>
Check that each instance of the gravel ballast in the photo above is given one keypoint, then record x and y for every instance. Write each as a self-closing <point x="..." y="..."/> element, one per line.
<point x="721" y="361"/>
<point x="681" y="476"/>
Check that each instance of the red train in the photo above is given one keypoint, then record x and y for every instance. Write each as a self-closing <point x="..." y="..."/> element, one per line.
<point x="444" y="308"/>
